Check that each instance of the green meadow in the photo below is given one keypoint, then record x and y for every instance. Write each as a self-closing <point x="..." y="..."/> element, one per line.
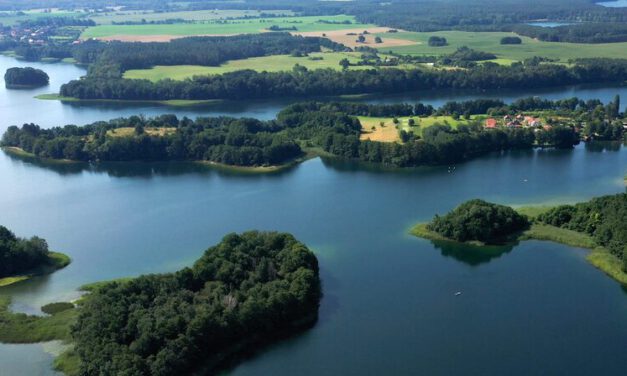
<point x="108" y="18"/>
<point x="12" y="18"/>
<point x="490" y="42"/>
<point x="228" y="27"/>
<point x="274" y="63"/>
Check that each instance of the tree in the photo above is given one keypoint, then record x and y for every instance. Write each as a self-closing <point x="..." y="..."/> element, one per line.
<point x="378" y="39"/>
<point x="344" y="63"/>
<point x="361" y="39"/>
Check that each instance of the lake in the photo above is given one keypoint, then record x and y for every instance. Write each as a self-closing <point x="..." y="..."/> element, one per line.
<point x="549" y="24"/>
<point x="389" y="303"/>
<point x="20" y="106"/>
<point x="614" y="4"/>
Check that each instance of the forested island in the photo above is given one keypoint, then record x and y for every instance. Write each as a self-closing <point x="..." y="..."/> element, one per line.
<point x="476" y="221"/>
<point x="22" y="258"/>
<point x="249" y="290"/>
<point x="326" y="129"/>
<point x="598" y="224"/>
<point x="25" y="78"/>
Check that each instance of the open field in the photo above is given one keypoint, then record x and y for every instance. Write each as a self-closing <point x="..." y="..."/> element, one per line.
<point x="12" y="18"/>
<point x="230" y="27"/>
<point x="490" y="42"/>
<point x="373" y="131"/>
<point x="275" y="63"/>
<point x="107" y="18"/>
<point x="128" y="131"/>
<point x="343" y="37"/>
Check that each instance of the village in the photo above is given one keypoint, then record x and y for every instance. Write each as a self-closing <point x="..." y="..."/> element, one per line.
<point x="516" y="121"/>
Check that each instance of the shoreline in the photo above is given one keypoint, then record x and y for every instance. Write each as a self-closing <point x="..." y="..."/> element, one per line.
<point x="56" y="261"/>
<point x="597" y="256"/>
<point x="309" y="154"/>
<point x="170" y="102"/>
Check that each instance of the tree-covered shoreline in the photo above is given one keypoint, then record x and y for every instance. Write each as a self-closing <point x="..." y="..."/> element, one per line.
<point x="311" y="128"/>
<point x="22" y="258"/>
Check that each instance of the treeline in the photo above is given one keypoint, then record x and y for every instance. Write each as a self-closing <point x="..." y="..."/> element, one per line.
<point x="248" y="290"/>
<point x="56" y="21"/>
<point x="576" y="33"/>
<point x="248" y="84"/>
<point x="479" y="15"/>
<point x="603" y="218"/>
<point x="18" y="255"/>
<point x="478" y="220"/>
<point x="211" y="51"/>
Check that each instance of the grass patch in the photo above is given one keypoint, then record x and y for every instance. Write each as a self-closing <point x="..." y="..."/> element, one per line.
<point x="54" y="308"/>
<point x="372" y="129"/>
<point x="56" y="261"/>
<point x="559" y="235"/>
<point x="68" y="362"/>
<point x="150" y="131"/>
<point x="491" y="42"/>
<point x="22" y="328"/>
<point x="274" y="63"/>
<point x="229" y="27"/>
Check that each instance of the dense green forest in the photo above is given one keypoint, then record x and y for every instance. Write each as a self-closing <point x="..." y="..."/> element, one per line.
<point x="330" y="127"/>
<point x="25" y="77"/>
<point x="603" y="218"/>
<point x="478" y="220"/>
<point x="248" y="84"/>
<point x="248" y="290"/>
<point x="18" y="255"/>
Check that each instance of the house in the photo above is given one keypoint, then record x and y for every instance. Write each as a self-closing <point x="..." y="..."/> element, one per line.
<point x="490" y="123"/>
<point x="547" y="127"/>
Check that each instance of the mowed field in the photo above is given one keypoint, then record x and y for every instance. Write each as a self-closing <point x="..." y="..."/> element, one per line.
<point x="219" y="27"/>
<point x="108" y="18"/>
<point x="371" y="128"/>
<point x="490" y="42"/>
<point x="275" y="63"/>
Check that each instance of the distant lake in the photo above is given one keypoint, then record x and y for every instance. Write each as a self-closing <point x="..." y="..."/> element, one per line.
<point x="614" y="4"/>
<point x="549" y="24"/>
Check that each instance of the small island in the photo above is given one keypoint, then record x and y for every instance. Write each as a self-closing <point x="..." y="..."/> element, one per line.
<point x="475" y="221"/>
<point x="28" y="77"/>
<point x="21" y="259"/>
<point x="598" y="225"/>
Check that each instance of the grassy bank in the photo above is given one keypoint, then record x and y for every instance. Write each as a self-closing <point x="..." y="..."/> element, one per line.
<point x="598" y="256"/>
<point x="56" y="261"/>
<point x="23" y="328"/>
<point x="21" y="153"/>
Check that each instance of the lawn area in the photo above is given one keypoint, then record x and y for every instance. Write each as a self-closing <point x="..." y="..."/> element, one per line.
<point x="221" y="27"/>
<point x="273" y="63"/>
<point x="129" y="131"/>
<point x="490" y="42"/>
<point x="107" y="18"/>
<point x="389" y="132"/>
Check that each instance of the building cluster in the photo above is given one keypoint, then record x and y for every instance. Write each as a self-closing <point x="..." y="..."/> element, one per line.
<point x="36" y="36"/>
<point x="515" y="121"/>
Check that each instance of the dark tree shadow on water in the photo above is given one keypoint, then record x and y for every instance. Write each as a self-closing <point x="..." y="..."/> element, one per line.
<point x="140" y="169"/>
<point x="470" y="254"/>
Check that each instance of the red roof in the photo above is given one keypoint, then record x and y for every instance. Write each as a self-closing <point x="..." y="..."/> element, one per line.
<point x="490" y="123"/>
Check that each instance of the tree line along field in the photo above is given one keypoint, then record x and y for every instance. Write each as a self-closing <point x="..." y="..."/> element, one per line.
<point x="224" y="27"/>
<point x="490" y="42"/>
<point x="13" y="18"/>
<point x="274" y="63"/>
<point x="108" y="18"/>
